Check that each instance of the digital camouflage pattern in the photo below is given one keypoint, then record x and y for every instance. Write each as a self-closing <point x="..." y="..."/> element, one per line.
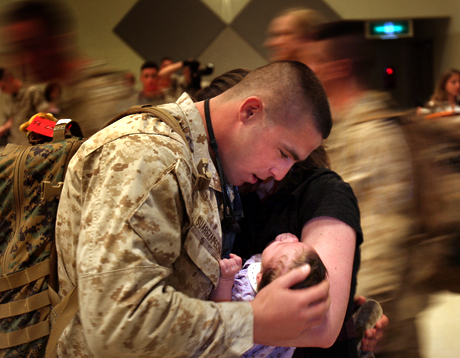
<point x="27" y="228"/>
<point x="369" y="151"/>
<point x="143" y="245"/>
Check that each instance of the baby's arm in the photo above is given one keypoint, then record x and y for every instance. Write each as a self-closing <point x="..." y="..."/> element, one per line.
<point x="228" y="269"/>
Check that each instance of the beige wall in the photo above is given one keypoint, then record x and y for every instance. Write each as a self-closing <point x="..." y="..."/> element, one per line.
<point x="95" y="21"/>
<point x="97" y="18"/>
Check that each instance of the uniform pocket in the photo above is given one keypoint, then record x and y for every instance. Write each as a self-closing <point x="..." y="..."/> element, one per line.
<point x="203" y="247"/>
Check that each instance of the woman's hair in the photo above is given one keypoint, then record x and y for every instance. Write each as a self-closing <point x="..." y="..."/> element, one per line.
<point x="317" y="159"/>
<point x="440" y="93"/>
<point x="318" y="270"/>
<point x="221" y="83"/>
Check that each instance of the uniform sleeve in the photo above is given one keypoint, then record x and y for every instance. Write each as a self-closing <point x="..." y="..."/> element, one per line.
<point x="132" y="228"/>
<point x="381" y="178"/>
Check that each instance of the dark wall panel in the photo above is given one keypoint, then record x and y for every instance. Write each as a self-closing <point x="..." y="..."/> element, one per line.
<point x="177" y="28"/>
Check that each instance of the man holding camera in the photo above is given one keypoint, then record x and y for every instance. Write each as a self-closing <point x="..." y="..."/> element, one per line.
<point x="191" y="80"/>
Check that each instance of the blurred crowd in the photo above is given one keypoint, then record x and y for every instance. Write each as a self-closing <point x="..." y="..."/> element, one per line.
<point x="392" y="159"/>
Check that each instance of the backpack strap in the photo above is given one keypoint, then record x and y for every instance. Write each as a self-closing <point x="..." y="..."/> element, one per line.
<point x="24" y="277"/>
<point x="161" y="114"/>
<point x="37" y="301"/>
<point x="26" y="335"/>
<point x="65" y="311"/>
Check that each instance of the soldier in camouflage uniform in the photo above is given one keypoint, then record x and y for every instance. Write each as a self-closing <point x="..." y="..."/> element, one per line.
<point x="40" y="40"/>
<point x="368" y="149"/>
<point x="23" y="102"/>
<point x="143" y="243"/>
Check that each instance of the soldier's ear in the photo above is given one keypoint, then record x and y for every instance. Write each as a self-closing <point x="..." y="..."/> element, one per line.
<point x="250" y="109"/>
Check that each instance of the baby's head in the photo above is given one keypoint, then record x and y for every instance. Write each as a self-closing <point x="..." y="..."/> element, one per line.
<point x="285" y="254"/>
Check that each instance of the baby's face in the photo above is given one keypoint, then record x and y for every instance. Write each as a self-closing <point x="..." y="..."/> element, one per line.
<point x="285" y="249"/>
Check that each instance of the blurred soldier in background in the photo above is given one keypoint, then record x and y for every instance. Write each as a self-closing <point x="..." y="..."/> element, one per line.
<point x="369" y="151"/>
<point x="22" y="102"/>
<point x="40" y="39"/>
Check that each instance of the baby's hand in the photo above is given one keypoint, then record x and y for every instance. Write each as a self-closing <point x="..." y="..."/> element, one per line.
<point x="287" y="237"/>
<point x="230" y="267"/>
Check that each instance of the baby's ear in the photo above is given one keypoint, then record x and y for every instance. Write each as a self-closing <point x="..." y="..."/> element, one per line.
<point x="259" y="277"/>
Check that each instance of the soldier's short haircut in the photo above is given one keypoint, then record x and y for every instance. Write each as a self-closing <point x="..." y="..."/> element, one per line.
<point x="290" y="88"/>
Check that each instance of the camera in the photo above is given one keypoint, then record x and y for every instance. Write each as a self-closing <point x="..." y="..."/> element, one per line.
<point x="196" y="72"/>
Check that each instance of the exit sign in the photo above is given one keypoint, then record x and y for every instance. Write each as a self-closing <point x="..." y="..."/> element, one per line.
<point x="389" y="29"/>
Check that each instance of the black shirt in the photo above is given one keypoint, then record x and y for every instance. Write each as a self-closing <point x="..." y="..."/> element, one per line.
<point x="303" y="195"/>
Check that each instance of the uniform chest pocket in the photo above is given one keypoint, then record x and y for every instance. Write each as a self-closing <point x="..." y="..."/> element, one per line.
<point x="203" y="247"/>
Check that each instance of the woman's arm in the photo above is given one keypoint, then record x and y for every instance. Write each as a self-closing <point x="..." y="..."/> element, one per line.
<point x="335" y="243"/>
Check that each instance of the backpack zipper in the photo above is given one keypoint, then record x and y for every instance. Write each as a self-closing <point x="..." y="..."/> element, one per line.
<point x="18" y="180"/>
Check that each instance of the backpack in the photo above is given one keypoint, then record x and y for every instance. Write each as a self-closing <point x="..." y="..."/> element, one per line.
<point x="30" y="181"/>
<point x="30" y="184"/>
<point x="434" y="145"/>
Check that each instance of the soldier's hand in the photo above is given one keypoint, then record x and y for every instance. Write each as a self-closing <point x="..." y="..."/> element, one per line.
<point x="282" y="315"/>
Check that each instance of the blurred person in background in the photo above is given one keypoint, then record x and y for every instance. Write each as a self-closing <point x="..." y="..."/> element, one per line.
<point x="446" y="96"/>
<point x="190" y="81"/>
<point x="22" y="102"/>
<point x="130" y="82"/>
<point x="40" y="39"/>
<point x="370" y="153"/>
<point x="166" y="82"/>
<point x="150" y="92"/>
<point x="53" y="92"/>
<point x="289" y="32"/>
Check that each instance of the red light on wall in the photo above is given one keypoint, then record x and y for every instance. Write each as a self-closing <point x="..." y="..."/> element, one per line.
<point x="389" y="79"/>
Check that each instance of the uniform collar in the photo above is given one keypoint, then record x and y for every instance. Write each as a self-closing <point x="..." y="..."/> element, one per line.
<point x="192" y="124"/>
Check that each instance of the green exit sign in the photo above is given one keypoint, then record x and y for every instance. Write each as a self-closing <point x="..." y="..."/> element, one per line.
<point x="389" y="29"/>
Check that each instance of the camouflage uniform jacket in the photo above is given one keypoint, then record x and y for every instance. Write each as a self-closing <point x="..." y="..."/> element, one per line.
<point x="371" y="154"/>
<point x="143" y="246"/>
